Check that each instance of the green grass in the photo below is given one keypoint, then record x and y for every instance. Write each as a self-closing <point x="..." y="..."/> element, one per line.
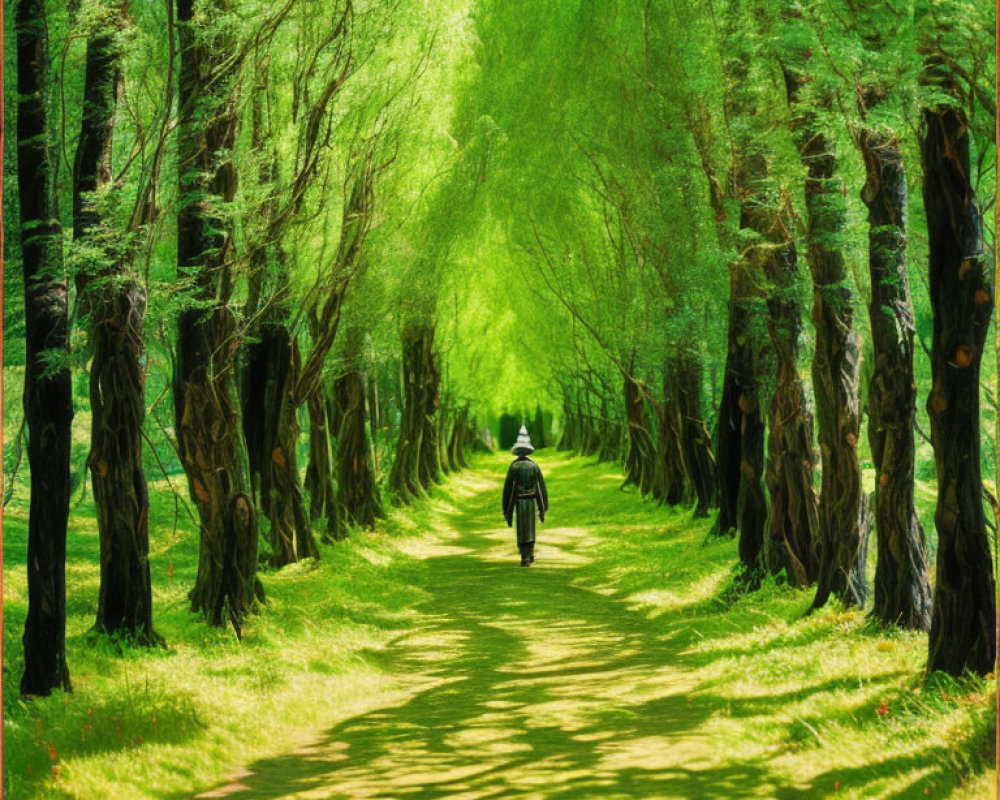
<point x="421" y="661"/>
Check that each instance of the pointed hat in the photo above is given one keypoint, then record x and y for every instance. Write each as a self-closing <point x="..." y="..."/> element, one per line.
<point x="523" y="443"/>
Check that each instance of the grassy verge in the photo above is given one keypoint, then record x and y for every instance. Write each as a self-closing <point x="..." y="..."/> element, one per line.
<point x="157" y="723"/>
<point x="840" y="705"/>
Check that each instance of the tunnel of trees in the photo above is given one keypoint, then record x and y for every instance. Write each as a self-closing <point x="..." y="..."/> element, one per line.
<point x="300" y="260"/>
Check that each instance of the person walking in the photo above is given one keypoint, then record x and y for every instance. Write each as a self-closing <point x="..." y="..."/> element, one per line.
<point x="523" y="493"/>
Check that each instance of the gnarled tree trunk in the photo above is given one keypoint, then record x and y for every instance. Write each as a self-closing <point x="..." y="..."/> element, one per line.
<point x="670" y="476"/>
<point x="640" y="456"/>
<point x="271" y="427"/>
<point x="963" y="634"/>
<point x="412" y="465"/>
<point x="319" y="471"/>
<point x="115" y="306"/>
<point x="358" y="494"/>
<point x="429" y="459"/>
<point x="696" y="443"/>
<point x="740" y="432"/>
<point x="568" y="437"/>
<point x="48" y="398"/>
<point x="836" y="361"/>
<point x="271" y="367"/>
<point x="793" y="515"/>
<point x="463" y="436"/>
<point x="902" y="590"/>
<point x="117" y="405"/>
<point x="207" y="411"/>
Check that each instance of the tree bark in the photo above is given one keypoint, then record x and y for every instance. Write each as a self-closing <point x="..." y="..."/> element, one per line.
<point x="48" y="399"/>
<point x="567" y="439"/>
<point x="462" y="436"/>
<point x="836" y="360"/>
<point x="271" y="428"/>
<point x="902" y="589"/>
<point x="696" y="443"/>
<point x="640" y="455"/>
<point x="429" y="459"/>
<point x="271" y="367"/>
<point x="740" y="432"/>
<point x="793" y="514"/>
<point x="319" y="471"/>
<point x="115" y="305"/>
<point x="729" y="428"/>
<point x="669" y="476"/>
<point x="207" y="411"/>
<point x="590" y="437"/>
<point x="358" y="494"/>
<point x="962" y="634"/>
<point x="607" y="443"/>
<point x="412" y="466"/>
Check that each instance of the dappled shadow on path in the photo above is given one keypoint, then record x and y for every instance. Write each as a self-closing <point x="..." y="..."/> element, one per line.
<point x="524" y="684"/>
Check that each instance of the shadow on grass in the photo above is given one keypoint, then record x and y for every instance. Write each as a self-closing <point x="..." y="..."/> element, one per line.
<point x="529" y="683"/>
<point x="934" y="767"/>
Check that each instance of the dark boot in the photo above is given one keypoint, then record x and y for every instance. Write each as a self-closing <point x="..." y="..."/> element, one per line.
<point x="531" y="553"/>
<point x="525" y="554"/>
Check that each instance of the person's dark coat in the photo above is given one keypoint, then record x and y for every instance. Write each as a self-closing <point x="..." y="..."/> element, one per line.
<point x="523" y="494"/>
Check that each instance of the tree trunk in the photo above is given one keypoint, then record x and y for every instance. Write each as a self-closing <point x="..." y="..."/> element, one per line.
<point x="115" y="305"/>
<point x="458" y="443"/>
<point x="405" y="477"/>
<point x="271" y="364"/>
<point x="358" y="495"/>
<point x="591" y="434"/>
<point x="902" y="590"/>
<point x="567" y="438"/>
<point x="640" y="455"/>
<point x="696" y="443"/>
<point x="962" y="633"/>
<point x="210" y="447"/>
<point x="319" y="471"/>
<point x="207" y="411"/>
<point x="607" y="443"/>
<point x="117" y="404"/>
<point x="751" y="505"/>
<point x="836" y="360"/>
<point x="740" y="432"/>
<point x="271" y="427"/>
<point x="429" y="460"/>
<point x="671" y="480"/>
<point x="793" y="516"/>
<point x="48" y="398"/>
<point x="729" y="427"/>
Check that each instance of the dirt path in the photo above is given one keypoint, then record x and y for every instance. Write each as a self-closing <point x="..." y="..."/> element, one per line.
<point x="518" y="683"/>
